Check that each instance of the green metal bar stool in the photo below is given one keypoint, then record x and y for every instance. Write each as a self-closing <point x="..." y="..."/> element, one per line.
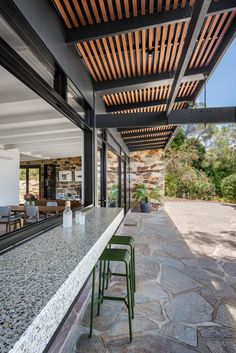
<point x="125" y="240"/>
<point x="112" y="255"/>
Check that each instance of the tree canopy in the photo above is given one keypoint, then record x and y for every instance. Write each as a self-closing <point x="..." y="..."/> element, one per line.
<point x="198" y="160"/>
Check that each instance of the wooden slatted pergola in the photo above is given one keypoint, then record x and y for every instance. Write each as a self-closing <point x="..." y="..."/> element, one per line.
<point x="148" y="57"/>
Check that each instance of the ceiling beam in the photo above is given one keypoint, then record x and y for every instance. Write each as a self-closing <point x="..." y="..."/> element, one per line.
<point x="195" y="26"/>
<point x="139" y="82"/>
<point x="30" y="118"/>
<point x="149" y="133"/>
<point x="183" y="116"/>
<point x="130" y="120"/>
<point x="32" y="144"/>
<point x="144" y="148"/>
<point x="36" y="130"/>
<point x="42" y="138"/>
<point x="141" y="139"/>
<point x="132" y="24"/>
<point x="136" y="130"/>
<point x="138" y="105"/>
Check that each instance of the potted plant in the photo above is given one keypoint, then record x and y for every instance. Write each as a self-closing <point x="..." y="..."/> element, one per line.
<point x="140" y="194"/>
<point x="113" y="196"/>
<point x="154" y="196"/>
<point x="146" y="198"/>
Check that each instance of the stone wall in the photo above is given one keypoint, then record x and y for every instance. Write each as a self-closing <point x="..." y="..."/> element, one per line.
<point x="62" y="164"/>
<point x="147" y="167"/>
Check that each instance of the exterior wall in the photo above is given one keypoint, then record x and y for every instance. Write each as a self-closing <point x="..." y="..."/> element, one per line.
<point x="147" y="167"/>
<point x="62" y="164"/>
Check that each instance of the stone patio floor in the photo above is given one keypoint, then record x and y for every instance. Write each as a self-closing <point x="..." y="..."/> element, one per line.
<point x="186" y="285"/>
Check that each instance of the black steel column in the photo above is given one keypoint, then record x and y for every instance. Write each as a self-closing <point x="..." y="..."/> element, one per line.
<point x="104" y="171"/>
<point x="88" y="168"/>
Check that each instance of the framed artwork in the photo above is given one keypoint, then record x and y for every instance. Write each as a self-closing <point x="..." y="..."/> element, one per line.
<point x="78" y="175"/>
<point x="65" y="175"/>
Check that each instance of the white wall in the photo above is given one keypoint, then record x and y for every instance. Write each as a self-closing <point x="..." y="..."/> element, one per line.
<point x="9" y="177"/>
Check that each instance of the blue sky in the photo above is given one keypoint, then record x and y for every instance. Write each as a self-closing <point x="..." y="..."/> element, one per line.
<point x="221" y="87"/>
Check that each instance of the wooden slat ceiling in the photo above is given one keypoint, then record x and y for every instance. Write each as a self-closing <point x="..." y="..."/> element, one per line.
<point x="144" y="52"/>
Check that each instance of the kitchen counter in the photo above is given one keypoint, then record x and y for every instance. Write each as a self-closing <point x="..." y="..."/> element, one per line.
<point x="41" y="278"/>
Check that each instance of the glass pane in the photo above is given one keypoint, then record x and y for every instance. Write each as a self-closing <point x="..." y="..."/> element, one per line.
<point x="34" y="181"/>
<point x="43" y="68"/>
<point x="122" y="184"/>
<point x="22" y="185"/>
<point x="127" y="185"/>
<point x="112" y="179"/>
<point x="75" y="99"/>
<point x="99" y="176"/>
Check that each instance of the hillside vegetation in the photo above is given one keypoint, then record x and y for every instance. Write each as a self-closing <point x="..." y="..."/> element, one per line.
<point x="201" y="163"/>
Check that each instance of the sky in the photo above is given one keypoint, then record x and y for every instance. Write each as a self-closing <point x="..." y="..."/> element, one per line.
<point x="221" y="87"/>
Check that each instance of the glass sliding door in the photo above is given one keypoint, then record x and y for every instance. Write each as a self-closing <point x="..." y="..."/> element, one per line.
<point x="34" y="181"/>
<point x="99" y="176"/>
<point x="29" y="181"/>
<point x="123" y="184"/>
<point x="22" y="184"/>
<point x="112" y="179"/>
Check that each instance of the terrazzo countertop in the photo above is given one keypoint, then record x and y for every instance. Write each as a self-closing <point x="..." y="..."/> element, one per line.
<point x="40" y="279"/>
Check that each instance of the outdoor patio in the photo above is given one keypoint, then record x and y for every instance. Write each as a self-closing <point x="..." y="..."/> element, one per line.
<point x="186" y="285"/>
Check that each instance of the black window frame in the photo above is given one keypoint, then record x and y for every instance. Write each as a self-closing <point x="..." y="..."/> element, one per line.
<point x="56" y="97"/>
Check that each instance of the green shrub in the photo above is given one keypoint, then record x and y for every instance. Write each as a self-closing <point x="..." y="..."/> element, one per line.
<point x="228" y="187"/>
<point x="203" y="188"/>
<point x="191" y="184"/>
<point x="170" y="185"/>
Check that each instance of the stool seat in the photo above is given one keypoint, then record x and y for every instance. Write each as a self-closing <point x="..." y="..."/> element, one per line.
<point x="122" y="240"/>
<point x="121" y="255"/>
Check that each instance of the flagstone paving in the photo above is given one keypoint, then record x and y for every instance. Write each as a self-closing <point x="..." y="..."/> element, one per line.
<point x="186" y="285"/>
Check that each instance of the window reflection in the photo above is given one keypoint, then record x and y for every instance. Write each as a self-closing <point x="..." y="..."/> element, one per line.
<point x="112" y="179"/>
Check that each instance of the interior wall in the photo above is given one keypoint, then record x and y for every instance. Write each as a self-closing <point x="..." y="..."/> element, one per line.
<point x="9" y="177"/>
<point x="62" y="164"/>
<point x="147" y="167"/>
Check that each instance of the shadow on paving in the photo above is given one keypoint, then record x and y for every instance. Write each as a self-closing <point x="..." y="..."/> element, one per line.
<point x="185" y="299"/>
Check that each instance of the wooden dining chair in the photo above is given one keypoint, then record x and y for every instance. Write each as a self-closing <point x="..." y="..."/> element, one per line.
<point x="31" y="214"/>
<point x="51" y="204"/>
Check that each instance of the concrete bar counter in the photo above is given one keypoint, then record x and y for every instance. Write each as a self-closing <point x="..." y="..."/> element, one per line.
<point x="41" y="278"/>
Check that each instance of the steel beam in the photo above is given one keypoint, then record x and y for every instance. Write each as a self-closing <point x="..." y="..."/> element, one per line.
<point x="132" y="24"/>
<point x="195" y="26"/>
<point x="184" y="116"/>
<point x="144" y="148"/>
<point x="156" y="139"/>
<point x="131" y="120"/>
<point x="127" y="130"/>
<point x="40" y="17"/>
<point x="203" y="116"/>
<point x="139" y="82"/>
<point x="138" y="105"/>
<point x="161" y="133"/>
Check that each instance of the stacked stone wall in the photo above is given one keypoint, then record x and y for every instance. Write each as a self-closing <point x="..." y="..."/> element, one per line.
<point x="147" y="167"/>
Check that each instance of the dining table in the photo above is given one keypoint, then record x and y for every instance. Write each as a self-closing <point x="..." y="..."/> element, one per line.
<point x="42" y="209"/>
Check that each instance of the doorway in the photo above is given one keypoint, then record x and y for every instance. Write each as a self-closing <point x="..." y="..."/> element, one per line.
<point x="29" y="181"/>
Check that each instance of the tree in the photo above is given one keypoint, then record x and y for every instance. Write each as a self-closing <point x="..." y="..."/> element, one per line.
<point x="220" y="160"/>
<point x="199" y="158"/>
